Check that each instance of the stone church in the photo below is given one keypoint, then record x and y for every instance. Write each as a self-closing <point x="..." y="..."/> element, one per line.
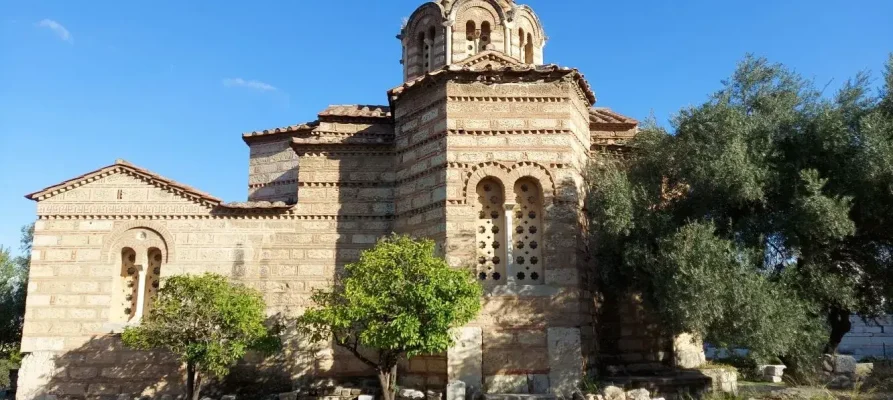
<point x="481" y="148"/>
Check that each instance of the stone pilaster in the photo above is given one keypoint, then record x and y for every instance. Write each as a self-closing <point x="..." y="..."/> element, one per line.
<point x="565" y="360"/>
<point x="465" y="358"/>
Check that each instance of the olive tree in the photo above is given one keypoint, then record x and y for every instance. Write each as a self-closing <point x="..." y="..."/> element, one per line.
<point x="762" y="218"/>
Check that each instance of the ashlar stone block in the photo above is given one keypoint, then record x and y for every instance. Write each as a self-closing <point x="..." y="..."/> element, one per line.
<point x="565" y="360"/>
<point x="465" y="358"/>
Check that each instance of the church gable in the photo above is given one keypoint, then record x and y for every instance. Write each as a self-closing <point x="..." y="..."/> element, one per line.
<point x="122" y="189"/>
<point x="489" y="60"/>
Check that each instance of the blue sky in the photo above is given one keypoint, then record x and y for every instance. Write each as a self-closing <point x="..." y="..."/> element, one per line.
<point x="171" y="85"/>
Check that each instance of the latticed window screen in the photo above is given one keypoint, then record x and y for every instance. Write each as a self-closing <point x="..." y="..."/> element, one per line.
<point x="153" y="278"/>
<point x="491" y="258"/>
<point x="527" y="233"/>
<point x="129" y="286"/>
<point x="129" y="299"/>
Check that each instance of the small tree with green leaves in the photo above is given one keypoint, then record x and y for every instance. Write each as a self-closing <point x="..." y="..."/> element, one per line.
<point x="13" y="289"/>
<point x="209" y="322"/>
<point x="398" y="301"/>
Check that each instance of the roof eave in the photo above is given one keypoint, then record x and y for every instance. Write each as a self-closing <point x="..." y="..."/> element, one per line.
<point x="148" y="175"/>
<point x="395" y="93"/>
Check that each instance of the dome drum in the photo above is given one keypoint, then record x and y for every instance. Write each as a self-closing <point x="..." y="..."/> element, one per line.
<point x="447" y="32"/>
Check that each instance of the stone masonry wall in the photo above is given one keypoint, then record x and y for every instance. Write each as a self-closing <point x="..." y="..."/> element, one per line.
<point x="630" y="340"/>
<point x="509" y="132"/>
<point x="421" y="164"/>
<point x="871" y="339"/>
<point x="283" y="254"/>
<point x="272" y="171"/>
<point x="420" y="196"/>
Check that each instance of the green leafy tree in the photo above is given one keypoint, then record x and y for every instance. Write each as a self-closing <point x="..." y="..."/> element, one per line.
<point x="762" y="219"/>
<point x="209" y="322"/>
<point x="398" y="301"/>
<point x="13" y="290"/>
<point x="5" y="382"/>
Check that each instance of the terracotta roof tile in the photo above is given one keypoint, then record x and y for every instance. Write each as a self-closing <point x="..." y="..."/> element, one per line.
<point x="256" y="205"/>
<point x="356" y="110"/>
<point x="124" y="166"/>
<point x="342" y="110"/>
<point x="285" y="129"/>
<point x="602" y="115"/>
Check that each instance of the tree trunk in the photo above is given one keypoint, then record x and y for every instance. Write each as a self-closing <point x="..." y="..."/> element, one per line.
<point x="839" y="320"/>
<point x="388" y="380"/>
<point x="193" y="382"/>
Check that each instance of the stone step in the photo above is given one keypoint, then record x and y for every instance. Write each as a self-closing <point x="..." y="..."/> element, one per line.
<point x="669" y="385"/>
<point x="509" y="396"/>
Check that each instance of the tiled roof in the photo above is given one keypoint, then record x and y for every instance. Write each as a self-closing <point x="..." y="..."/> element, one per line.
<point x="602" y="115"/>
<point x="338" y="110"/>
<point x="256" y="205"/>
<point x="517" y="70"/>
<point x="285" y="129"/>
<point x="356" y="110"/>
<point x="124" y="166"/>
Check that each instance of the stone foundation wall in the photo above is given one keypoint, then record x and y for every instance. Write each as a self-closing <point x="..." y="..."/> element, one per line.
<point x="869" y="339"/>
<point x="631" y="340"/>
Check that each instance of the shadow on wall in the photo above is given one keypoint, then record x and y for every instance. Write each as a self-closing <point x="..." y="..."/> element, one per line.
<point x="105" y="367"/>
<point x="340" y="192"/>
<point x="256" y="376"/>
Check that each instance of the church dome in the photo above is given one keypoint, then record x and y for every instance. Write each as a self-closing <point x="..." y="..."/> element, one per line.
<point x="445" y="32"/>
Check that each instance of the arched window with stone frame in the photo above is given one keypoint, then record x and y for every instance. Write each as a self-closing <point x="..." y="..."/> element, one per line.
<point x="141" y="254"/>
<point x="127" y="280"/>
<point x="527" y="232"/>
<point x="153" y="278"/>
<point x="490" y="231"/>
<point x="528" y="49"/>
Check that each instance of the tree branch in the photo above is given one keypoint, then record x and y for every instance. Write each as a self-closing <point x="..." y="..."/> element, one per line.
<point x="353" y="349"/>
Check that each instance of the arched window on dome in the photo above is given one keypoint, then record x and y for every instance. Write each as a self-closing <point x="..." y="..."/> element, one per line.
<point x="429" y="48"/>
<point x="471" y="35"/>
<point x="421" y="53"/>
<point x="485" y="36"/>
<point x="521" y="38"/>
<point x="527" y="233"/>
<point x="528" y="49"/>
<point x="490" y="232"/>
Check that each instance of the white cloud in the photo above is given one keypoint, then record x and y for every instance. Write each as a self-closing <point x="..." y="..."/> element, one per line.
<point x="250" y="84"/>
<point x="57" y="28"/>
